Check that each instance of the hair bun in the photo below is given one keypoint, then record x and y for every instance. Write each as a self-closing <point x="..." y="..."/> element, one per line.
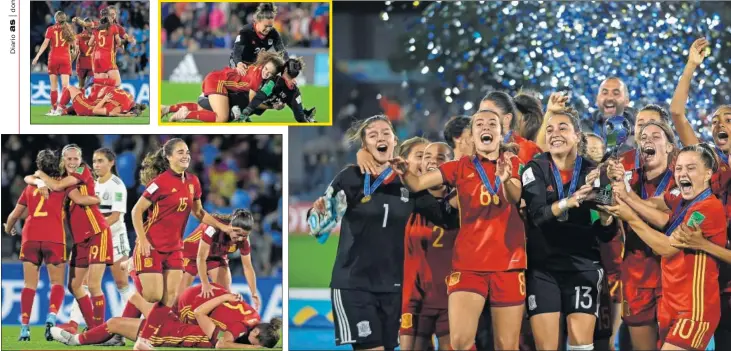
<point x="266" y="6"/>
<point x="276" y="323"/>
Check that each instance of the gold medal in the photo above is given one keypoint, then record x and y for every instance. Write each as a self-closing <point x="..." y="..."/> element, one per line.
<point x="365" y="199"/>
<point x="496" y="199"/>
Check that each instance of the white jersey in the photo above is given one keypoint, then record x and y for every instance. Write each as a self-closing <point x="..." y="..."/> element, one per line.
<point x="113" y="196"/>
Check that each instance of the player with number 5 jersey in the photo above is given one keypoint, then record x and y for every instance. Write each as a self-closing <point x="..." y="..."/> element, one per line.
<point x="489" y="253"/>
<point x="172" y="194"/>
<point x="43" y="240"/>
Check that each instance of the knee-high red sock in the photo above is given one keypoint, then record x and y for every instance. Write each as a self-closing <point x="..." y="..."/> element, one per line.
<point x="155" y="319"/>
<point x="99" y="309"/>
<point x="203" y="116"/>
<point x="65" y="97"/>
<point x="87" y="310"/>
<point x="54" y="98"/>
<point x="130" y="311"/>
<point x="192" y="106"/>
<point x="96" y="335"/>
<point x="56" y="299"/>
<point x="26" y="304"/>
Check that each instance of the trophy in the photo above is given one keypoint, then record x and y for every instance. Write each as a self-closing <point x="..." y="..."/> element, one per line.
<point x="617" y="130"/>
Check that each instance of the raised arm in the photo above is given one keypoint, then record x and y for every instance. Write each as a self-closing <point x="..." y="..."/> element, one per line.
<point x="680" y="96"/>
<point x="657" y="241"/>
<point x="54" y="184"/>
<point x="556" y="102"/>
<point x="414" y="182"/>
<point x="83" y="200"/>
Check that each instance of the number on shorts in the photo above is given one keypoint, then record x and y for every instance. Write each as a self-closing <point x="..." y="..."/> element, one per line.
<point x="102" y="38"/>
<point x="437" y="242"/>
<point x="59" y="37"/>
<point x="485" y="197"/>
<point x="385" y="215"/>
<point x="521" y="279"/>
<point x="94" y="252"/>
<point x="182" y="205"/>
<point x="39" y="208"/>
<point x="584" y="300"/>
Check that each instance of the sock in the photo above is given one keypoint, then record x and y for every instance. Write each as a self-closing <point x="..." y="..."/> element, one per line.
<point x="75" y="315"/>
<point x="190" y="105"/>
<point x="580" y="347"/>
<point x="203" y="116"/>
<point x="99" y="309"/>
<point x="56" y="299"/>
<point x="126" y="293"/>
<point x="65" y="97"/>
<point x="26" y="304"/>
<point x="87" y="310"/>
<point x="130" y="311"/>
<point x="96" y="335"/>
<point x="155" y="319"/>
<point x="54" y="98"/>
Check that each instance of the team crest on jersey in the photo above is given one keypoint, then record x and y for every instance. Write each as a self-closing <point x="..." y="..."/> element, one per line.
<point x="406" y="321"/>
<point x="271" y="42"/>
<point x="364" y="328"/>
<point x="404" y="195"/>
<point x="454" y="278"/>
<point x="190" y="187"/>
<point x="148" y="262"/>
<point x="532" y="302"/>
<point x="174" y="190"/>
<point x="105" y="196"/>
<point x="675" y="192"/>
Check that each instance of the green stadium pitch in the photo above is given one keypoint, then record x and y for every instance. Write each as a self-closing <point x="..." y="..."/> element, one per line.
<point x="38" y="342"/>
<point x="173" y="93"/>
<point x="38" y="116"/>
<point x="311" y="263"/>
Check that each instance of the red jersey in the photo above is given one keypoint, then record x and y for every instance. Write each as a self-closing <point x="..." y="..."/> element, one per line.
<point x="104" y="46"/>
<point x="45" y="216"/>
<point x="172" y="196"/>
<point x="720" y="185"/>
<point x="120" y="98"/>
<point x="492" y="234"/>
<point x="235" y="317"/>
<point x="414" y="259"/>
<point x="85" y="221"/>
<point x="439" y="246"/>
<point x="641" y="265"/>
<point x="85" y="51"/>
<point x="690" y="277"/>
<point x="60" y="48"/>
<point x="221" y="244"/>
<point x="120" y="30"/>
<point x="527" y="149"/>
<point x="231" y="80"/>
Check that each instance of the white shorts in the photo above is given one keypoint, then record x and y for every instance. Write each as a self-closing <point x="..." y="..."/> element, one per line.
<point x="120" y="241"/>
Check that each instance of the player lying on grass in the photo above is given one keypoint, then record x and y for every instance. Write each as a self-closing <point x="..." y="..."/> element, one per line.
<point x="217" y="86"/>
<point x="162" y="327"/>
<point x="105" y="100"/>
<point x="278" y="91"/>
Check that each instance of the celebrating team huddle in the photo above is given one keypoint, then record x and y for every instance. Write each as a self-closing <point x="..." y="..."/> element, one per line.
<point x="91" y="204"/>
<point x="95" y="52"/>
<point x="538" y="260"/>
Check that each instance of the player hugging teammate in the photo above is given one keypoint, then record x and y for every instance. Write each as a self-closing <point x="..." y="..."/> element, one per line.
<point x="95" y="52"/>
<point x="92" y="204"/>
<point x="529" y="239"/>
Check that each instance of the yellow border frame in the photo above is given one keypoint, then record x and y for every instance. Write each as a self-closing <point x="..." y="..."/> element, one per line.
<point x="253" y="124"/>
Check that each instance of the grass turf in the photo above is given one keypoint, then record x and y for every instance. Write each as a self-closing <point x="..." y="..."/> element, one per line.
<point x="173" y="93"/>
<point x="38" y="342"/>
<point x="37" y="116"/>
<point x="310" y="263"/>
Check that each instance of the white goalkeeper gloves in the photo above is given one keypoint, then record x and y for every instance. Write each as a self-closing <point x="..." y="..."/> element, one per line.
<point x="322" y="223"/>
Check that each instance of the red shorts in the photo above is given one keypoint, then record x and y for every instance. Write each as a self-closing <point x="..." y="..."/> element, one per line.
<point x="84" y="72"/>
<point x="158" y="261"/>
<point x="427" y="322"/>
<point x="37" y="252"/>
<point x="615" y="287"/>
<point x="59" y="66"/>
<point x="174" y="333"/>
<point x="190" y="267"/>
<point x="501" y="288"/>
<point x="680" y="330"/>
<point x="96" y="249"/>
<point x="640" y="305"/>
<point x="103" y="62"/>
<point x="213" y="84"/>
<point x="82" y="106"/>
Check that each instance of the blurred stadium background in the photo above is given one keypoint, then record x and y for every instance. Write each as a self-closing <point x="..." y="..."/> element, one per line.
<point x="133" y="61"/>
<point x="240" y="171"/>
<point x="198" y="38"/>
<point x="423" y="62"/>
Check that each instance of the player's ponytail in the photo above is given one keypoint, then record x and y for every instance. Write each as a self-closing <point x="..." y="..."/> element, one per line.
<point x="265" y="11"/>
<point x="47" y="162"/>
<point x="110" y="156"/>
<point x="269" y="332"/>
<point x="293" y="66"/>
<point x="104" y="23"/>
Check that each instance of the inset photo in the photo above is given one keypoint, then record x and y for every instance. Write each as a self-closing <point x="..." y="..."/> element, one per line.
<point x="90" y="62"/>
<point x="262" y="63"/>
<point x="142" y="241"/>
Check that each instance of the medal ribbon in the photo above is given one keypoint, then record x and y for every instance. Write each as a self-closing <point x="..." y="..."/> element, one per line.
<point x="574" y="177"/>
<point x="507" y="137"/>
<point x="368" y="189"/>
<point x="483" y="176"/>
<point x="680" y="211"/>
<point x="637" y="158"/>
<point x="722" y="155"/>
<point x="660" y="187"/>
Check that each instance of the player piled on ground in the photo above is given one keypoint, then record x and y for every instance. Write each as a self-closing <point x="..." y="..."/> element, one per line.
<point x="530" y="237"/>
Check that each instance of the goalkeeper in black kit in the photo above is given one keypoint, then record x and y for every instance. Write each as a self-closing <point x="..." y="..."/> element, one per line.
<point x="277" y="92"/>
